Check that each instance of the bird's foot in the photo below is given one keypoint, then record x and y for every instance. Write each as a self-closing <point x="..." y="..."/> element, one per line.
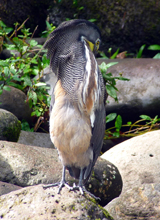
<point x="60" y="184"/>
<point x="83" y="190"/>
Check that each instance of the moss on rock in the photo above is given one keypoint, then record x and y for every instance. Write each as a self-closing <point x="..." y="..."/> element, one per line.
<point x="10" y="126"/>
<point x="12" y="133"/>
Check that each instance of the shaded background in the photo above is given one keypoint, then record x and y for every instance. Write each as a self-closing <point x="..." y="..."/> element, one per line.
<point x="125" y="24"/>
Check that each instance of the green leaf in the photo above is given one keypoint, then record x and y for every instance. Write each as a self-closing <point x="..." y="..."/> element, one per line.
<point x="2" y="24"/>
<point x="92" y="19"/>
<point x="154" y="47"/>
<point x="25" y="126"/>
<point x="8" y="30"/>
<point x="27" y="80"/>
<point x="33" y="43"/>
<point x="116" y="134"/>
<point x="157" y="56"/>
<point x="129" y="123"/>
<point x="146" y="117"/>
<point x="18" y="41"/>
<point x="103" y="67"/>
<point x="45" y="60"/>
<point x="121" y="78"/>
<point x="36" y="112"/>
<point x="27" y="69"/>
<point x="24" y="49"/>
<point x="6" y="71"/>
<point x="111" y="117"/>
<point x="155" y="119"/>
<point x="115" y="54"/>
<point x="34" y="61"/>
<point x="111" y="91"/>
<point x="40" y="84"/>
<point x="103" y="55"/>
<point x="107" y="76"/>
<point x="139" y="54"/>
<point x="35" y="71"/>
<point x="33" y="96"/>
<point x="118" y="123"/>
<point x="10" y="46"/>
<point x="16" y="78"/>
<point x="4" y="63"/>
<point x="15" y="85"/>
<point x="7" y="88"/>
<point x="48" y="25"/>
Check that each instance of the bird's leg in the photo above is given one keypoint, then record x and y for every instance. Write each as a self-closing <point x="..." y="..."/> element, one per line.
<point x="81" y="187"/>
<point x="61" y="183"/>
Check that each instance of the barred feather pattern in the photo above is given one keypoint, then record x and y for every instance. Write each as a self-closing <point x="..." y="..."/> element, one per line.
<point x="67" y="53"/>
<point x="75" y="66"/>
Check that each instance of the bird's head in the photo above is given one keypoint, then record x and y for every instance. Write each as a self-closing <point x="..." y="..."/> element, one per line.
<point x="71" y="32"/>
<point x="94" y="46"/>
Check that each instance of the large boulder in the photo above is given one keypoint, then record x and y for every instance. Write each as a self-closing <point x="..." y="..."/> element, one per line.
<point x="7" y="187"/>
<point x="36" y="203"/>
<point x="138" y="161"/>
<point x="25" y="165"/>
<point x="15" y="102"/>
<point x="139" y="95"/>
<point x="35" y="139"/>
<point x="10" y="126"/>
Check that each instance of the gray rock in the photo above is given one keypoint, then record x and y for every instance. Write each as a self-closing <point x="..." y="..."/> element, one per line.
<point x="140" y="202"/>
<point x="105" y="181"/>
<point x="35" y="139"/>
<point x="10" y="126"/>
<point x="7" y="187"/>
<point x="140" y="95"/>
<point x="36" y="203"/>
<point x="24" y="165"/>
<point x="138" y="161"/>
<point x="15" y="102"/>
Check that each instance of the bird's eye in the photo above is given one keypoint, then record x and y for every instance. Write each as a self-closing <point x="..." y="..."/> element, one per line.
<point x="97" y="42"/>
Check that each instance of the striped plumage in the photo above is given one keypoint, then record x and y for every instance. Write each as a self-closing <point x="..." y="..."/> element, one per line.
<point x="77" y="118"/>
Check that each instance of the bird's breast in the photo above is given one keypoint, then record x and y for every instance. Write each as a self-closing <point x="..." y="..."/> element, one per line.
<point x="70" y="130"/>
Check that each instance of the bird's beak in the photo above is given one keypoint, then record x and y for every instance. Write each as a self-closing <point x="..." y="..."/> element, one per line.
<point x="91" y="45"/>
<point x="94" y="48"/>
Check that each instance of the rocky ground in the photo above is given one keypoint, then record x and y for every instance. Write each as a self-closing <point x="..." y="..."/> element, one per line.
<point x="138" y="161"/>
<point x="126" y="177"/>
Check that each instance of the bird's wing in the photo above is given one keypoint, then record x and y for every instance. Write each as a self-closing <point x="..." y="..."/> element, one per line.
<point x="96" y="139"/>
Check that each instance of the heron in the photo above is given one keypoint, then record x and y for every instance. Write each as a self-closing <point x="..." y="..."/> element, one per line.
<point x="77" y="110"/>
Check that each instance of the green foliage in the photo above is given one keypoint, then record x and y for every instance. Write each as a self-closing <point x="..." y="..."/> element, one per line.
<point x="25" y="126"/>
<point x="145" y="124"/>
<point x="155" y="47"/>
<point x="151" y="47"/>
<point x="139" y="54"/>
<point x="111" y="56"/>
<point x="110" y="80"/>
<point x="24" y="69"/>
<point x="118" y="123"/>
<point x="50" y="28"/>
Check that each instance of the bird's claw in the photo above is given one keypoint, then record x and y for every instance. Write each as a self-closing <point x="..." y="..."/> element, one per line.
<point x="83" y="190"/>
<point x="60" y="184"/>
